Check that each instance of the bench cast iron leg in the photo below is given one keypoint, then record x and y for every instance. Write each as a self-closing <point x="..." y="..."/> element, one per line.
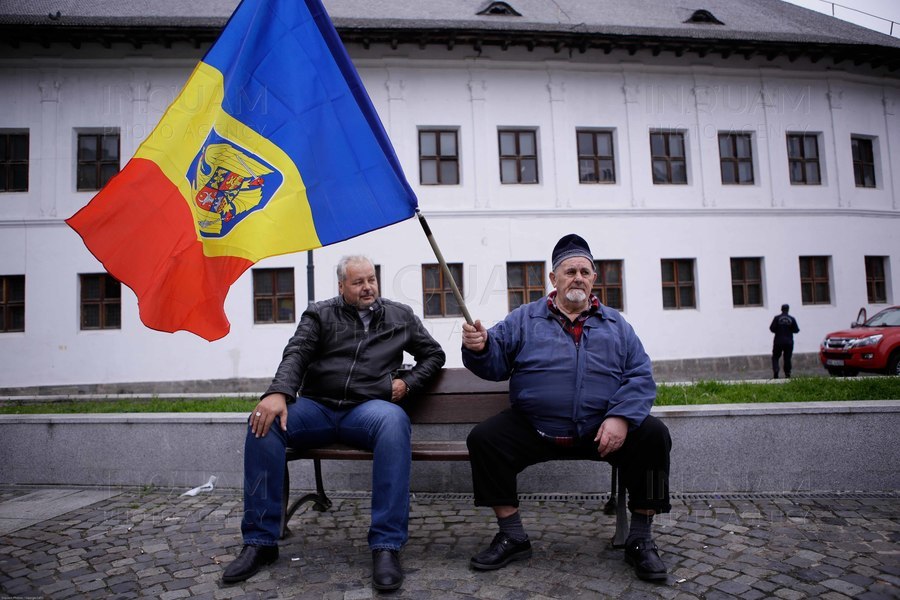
<point x="320" y="500"/>
<point x="610" y="507"/>
<point x="621" y="511"/>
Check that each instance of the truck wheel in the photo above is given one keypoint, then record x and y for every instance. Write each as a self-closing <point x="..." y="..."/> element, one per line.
<point x="893" y="367"/>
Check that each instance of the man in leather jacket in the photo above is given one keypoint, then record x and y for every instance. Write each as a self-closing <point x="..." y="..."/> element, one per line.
<point x="335" y="384"/>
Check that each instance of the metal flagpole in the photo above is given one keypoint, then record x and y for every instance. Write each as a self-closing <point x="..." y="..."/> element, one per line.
<point x="445" y="268"/>
<point x="310" y="277"/>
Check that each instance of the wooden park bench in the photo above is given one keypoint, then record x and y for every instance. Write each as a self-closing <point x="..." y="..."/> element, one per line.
<point x="456" y="396"/>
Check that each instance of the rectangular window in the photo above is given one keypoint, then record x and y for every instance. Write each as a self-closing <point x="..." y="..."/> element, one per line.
<point x="803" y="159"/>
<point x="596" y="160"/>
<point x="437" y="295"/>
<point x="678" y="283"/>
<point x="524" y="283"/>
<point x="815" y="282"/>
<point x="438" y="157"/>
<point x="876" y="283"/>
<point x="101" y="302"/>
<point x="13" y="162"/>
<point x="668" y="159"/>
<point x="98" y="159"/>
<point x="610" y="283"/>
<point x="746" y="282"/>
<point x="736" y="158"/>
<point x="12" y="303"/>
<point x="863" y="162"/>
<point x="518" y="156"/>
<point x="273" y="295"/>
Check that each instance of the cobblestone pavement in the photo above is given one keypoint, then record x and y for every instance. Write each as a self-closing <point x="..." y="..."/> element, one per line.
<point x="154" y="544"/>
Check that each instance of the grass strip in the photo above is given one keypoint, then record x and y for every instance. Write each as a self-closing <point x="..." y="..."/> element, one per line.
<point x="128" y="405"/>
<point x="799" y="389"/>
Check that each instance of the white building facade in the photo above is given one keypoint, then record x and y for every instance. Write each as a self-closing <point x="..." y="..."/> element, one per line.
<point x="716" y="187"/>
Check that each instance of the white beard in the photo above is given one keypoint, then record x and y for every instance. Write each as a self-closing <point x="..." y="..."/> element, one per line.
<point x="576" y="296"/>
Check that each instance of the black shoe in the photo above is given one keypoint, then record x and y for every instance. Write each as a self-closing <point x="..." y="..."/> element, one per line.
<point x="643" y="555"/>
<point x="502" y="551"/>
<point x="249" y="562"/>
<point x="386" y="572"/>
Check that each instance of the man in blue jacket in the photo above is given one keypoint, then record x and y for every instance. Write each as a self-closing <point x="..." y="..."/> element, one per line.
<point x="580" y="384"/>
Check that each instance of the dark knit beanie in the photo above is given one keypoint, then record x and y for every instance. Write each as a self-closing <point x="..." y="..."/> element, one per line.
<point x="570" y="246"/>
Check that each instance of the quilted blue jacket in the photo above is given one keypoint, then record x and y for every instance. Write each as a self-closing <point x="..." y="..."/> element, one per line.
<point x="567" y="389"/>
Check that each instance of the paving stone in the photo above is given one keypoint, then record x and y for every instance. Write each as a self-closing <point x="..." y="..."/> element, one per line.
<point x="843" y="587"/>
<point x="872" y="595"/>
<point x="789" y="594"/>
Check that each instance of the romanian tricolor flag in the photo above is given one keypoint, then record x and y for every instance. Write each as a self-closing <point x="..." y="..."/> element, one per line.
<point x="273" y="146"/>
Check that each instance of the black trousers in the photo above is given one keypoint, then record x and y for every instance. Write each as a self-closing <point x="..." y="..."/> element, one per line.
<point x="777" y="350"/>
<point x="503" y="446"/>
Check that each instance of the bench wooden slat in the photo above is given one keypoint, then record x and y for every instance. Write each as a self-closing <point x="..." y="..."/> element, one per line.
<point x="463" y="381"/>
<point x="421" y="450"/>
<point x="436" y="409"/>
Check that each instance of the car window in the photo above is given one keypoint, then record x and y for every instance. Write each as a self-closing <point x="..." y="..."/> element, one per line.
<point x="886" y="318"/>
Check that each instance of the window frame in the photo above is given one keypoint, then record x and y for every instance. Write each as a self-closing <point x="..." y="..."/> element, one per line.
<point x="439" y="158"/>
<point x="518" y="157"/>
<point x="602" y="287"/>
<point x="667" y="157"/>
<point x="863" y="166"/>
<point x="803" y="159"/>
<point x="809" y="283"/>
<point x="8" y="305"/>
<point x="443" y="292"/>
<point x="595" y="157"/>
<point x="678" y="283"/>
<point x="876" y="283"/>
<point x="745" y="282"/>
<point x="735" y="160"/>
<point x="104" y="302"/>
<point x="529" y="286"/>
<point x="275" y="297"/>
<point x="98" y="163"/>
<point x="9" y="163"/>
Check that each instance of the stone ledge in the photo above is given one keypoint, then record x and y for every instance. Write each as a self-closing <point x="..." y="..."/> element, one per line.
<point x="785" y="447"/>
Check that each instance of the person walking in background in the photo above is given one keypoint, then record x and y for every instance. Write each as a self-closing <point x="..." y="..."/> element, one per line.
<point x="336" y="383"/>
<point x="784" y="326"/>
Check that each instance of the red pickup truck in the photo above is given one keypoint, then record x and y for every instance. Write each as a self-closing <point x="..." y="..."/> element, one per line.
<point x="871" y="345"/>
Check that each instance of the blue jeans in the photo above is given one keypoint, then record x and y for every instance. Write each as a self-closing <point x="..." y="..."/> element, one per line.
<point x="376" y="425"/>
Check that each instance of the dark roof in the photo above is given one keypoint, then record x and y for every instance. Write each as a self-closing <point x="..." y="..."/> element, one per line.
<point x="750" y="27"/>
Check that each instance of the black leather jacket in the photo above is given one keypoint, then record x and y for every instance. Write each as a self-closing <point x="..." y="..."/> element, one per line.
<point x="331" y="358"/>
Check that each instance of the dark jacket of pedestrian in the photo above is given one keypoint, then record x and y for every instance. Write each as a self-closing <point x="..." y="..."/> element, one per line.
<point x="784" y="326"/>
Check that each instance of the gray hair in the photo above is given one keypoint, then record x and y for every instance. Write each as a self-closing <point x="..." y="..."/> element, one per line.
<point x="346" y="260"/>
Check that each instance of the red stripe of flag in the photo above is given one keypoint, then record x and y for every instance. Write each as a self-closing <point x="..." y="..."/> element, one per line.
<point x="141" y="209"/>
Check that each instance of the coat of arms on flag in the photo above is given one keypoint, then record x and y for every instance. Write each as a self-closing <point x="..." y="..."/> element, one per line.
<point x="228" y="183"/>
